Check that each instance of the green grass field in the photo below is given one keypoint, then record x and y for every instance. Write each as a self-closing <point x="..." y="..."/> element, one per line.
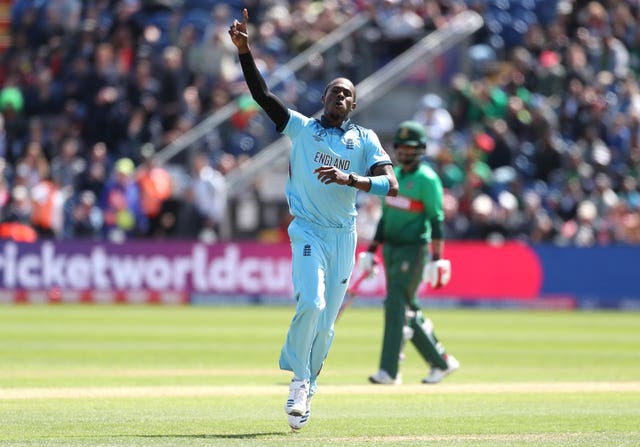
<point x="208" y="376"/>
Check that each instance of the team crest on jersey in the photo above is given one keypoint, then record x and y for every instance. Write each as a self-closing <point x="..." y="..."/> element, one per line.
<point x="350" y="144"/>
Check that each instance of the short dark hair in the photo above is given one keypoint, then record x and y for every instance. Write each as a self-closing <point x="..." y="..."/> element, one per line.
<point x="353" y="87"/>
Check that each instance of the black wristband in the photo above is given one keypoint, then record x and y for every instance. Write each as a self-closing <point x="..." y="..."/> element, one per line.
<point x="353" y="179"/>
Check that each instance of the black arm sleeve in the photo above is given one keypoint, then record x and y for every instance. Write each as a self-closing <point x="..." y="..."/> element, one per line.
<point x="271" y="104"/>
<point x="437" y="229"/>
<point x="379" y="236"/>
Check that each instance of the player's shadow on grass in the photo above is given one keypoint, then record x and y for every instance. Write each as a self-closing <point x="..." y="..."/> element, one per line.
<point x="227" y="436"/>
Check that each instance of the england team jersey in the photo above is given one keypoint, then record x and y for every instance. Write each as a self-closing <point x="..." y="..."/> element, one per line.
<point x="350" y="148"/>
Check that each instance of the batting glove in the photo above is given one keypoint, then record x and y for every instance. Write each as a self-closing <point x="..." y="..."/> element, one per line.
<point x="367" y="263"/>
<point x="437" y="273"/>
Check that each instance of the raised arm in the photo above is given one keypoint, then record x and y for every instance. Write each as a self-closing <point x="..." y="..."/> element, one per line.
<point x="272" y="105"/>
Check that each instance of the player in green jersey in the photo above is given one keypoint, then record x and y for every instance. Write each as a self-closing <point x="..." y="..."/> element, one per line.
<point x="411" y="232"/>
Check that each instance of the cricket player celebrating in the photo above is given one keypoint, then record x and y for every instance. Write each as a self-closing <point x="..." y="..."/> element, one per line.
<point x="331" y="159"/>
<point x="409" y="223"/>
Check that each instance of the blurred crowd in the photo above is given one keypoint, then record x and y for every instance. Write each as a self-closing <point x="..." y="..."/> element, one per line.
<point x="544" y="143"/>
<point x="539" y="142"/>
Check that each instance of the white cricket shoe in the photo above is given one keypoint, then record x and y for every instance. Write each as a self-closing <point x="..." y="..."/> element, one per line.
<point x="383" y="378"/>
<point x="297" y="422"/>
<point x="436" y="375"/>
<point x="297" y="402"/>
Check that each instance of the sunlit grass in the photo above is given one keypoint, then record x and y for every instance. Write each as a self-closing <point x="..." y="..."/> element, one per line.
<point x="196" y="376"/>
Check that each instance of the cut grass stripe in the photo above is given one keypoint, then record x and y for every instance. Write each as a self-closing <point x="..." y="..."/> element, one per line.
<point x="262" y="390"/>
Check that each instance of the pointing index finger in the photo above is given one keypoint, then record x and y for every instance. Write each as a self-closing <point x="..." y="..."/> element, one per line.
<point x="241" y="28"/>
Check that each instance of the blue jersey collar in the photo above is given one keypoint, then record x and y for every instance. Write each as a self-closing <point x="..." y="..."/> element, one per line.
<point x="345" y="124"/>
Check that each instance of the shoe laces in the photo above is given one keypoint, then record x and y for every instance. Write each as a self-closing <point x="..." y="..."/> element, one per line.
<point x="300" y="393"/>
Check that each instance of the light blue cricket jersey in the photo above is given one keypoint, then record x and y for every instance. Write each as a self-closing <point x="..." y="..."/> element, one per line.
<point x="351" y="148"/>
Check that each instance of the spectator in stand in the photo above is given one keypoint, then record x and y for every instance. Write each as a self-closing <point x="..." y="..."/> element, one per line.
<point x="121" y="203"/>
<point x="19" y="208"/>
<point x="33" y="166"/>
<point x="155" y="187"/>
<point x="85" y="219"/>
<point x="102" y="97"/>
<point x="95" y="176"/>
<point x="210" y="195"/>
<point x="180" y="217"/>
<point x="47" y="198"/>
<point x="3" y="140"/>
<point x="16" y="217"/>
<point x="15" y="124"/>
<point x="5" y="189"/>
<point x="436" y="120"/>
<point x="43" y="97"/>
<point x="484" y="220"/>
<point x="539" y="227"/>
<point x="214" y="56"/>
<point x="172" y="83"/>
<point x="505" y="144"/>
<point x="400" y="24"/>
<point x="547" y="156"/>
<point x="63" y="15"/>
<point x="550" y="75"/>
<point x="142" y="89"/>
<point x="68" y="165"/>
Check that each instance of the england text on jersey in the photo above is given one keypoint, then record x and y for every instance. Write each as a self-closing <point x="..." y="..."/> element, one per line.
<point x="328" y="160"/>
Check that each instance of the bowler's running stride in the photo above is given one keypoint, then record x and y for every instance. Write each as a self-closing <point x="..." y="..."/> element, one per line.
<point x="331" y="159"/>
